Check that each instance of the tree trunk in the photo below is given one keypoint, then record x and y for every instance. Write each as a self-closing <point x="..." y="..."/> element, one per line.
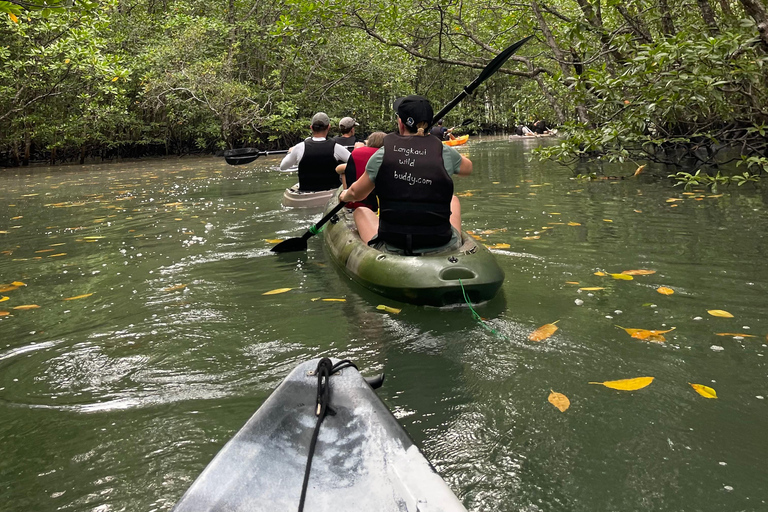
<point x="595" y="19"/>
<point x="726" y="8"/>
<point x="709" y="17"/>
<point x="27" y="147"/>
<point x="667" y="25"/>
<point x="638" y="27"/>
<point x="759" y="13"/>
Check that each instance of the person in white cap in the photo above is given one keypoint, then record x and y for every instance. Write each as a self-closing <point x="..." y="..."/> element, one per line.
<point x="317" y="157"/>
<point x="347" y="130"/>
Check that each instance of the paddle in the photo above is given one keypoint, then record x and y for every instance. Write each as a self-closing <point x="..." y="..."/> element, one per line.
<point x="489" y="70"/>
<point x="300" y="244"/>
<point x="247" y="155"/>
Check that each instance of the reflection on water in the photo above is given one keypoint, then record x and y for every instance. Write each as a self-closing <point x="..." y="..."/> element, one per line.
<point x="117" y="398"/>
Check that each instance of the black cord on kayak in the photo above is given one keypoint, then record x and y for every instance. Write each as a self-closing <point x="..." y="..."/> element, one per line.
<point x="325" y="368"/>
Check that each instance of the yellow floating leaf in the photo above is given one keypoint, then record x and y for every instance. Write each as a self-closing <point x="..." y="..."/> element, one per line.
<point x="3" y="299"/>
<point x="7" y="288"/>
<point x="79" y="296"/>
<point x="705" y="391"/>
<point x="571" y="282"/>
<point x="622" y="277"/>
<point x="641" y="272"/>
<point x="499" y="246"/>
<point x="273" y="240"/>
<point x="334" y="300"/>
<point x="555" y="213"/>
<point x="559" y="400"/>
<point x="27" y="306"/>
<point x="642" y="334"/>
<point x="720" y="313"/>
<point x="574" y="224"/>
<point x="674" y="199"/>
<point x="600" y="274"/>
<point x="5" y="313"/>
<point x="718" y="195"/>
<point x="664" y="290"/>
<point x="534" y="237"/>
<point x="717" y="333"/>
<point x="627" y="384"/>
<point x="277" y="290"/>
<point x="465" y="194"/>
<point x="175" y="287"/>
<point x="44" y="250"/>
<point x="638" y="211"/>
<point x="18" y="283"/>
<point x="388" y="309"/>
<point x="57" y="255"/>
<point x="543" y="332"/>
<point x="607" y="220"/>
<point x="94" y="237"/>
<point x="639" y="170"/>
<point x="591" y="288"/>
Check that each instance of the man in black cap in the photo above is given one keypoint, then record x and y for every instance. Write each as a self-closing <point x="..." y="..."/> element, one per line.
<point x="412" y="175"/>
<point x="317" y="157"/>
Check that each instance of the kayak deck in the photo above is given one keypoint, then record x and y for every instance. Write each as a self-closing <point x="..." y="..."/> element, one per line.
<point x="363" y="459"/>
<point x="436" y="279"/>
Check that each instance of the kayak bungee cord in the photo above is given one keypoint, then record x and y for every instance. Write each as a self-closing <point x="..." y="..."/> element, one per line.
<point x="478" y="317"/>
<point x="325" y="368"/>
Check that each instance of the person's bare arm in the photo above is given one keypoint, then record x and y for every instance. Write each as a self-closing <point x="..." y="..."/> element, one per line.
<point x="359" y="189"/>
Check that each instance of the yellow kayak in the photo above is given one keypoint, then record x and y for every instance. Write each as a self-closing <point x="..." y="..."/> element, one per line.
<point x="458" y="141"/>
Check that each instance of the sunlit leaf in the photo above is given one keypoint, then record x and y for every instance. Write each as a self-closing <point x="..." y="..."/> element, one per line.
<point x="705" y="391"/>
<point x="591" y="288"/>
<point x="499" y="246"/>
<point x="79" y="296"/>
<point x="674" y="199"/>
<point x="13" y="17"/>
<point x="175" y="287"/>
<point x="7" y="288"/>
<point x="571" y="282"/>
<point x="533" y="237"/>
<point x="646" y="334"/>
<point x="574" y="224"/>
<point x="3" y="299"/>
<point x="27" y="306"/>
<point x="720" y="313"/>
<point x="641" y="272"/>
<point x="639" y="170"/>
<point x="664" y="290"/>
<point x="388" y="309"/>
<point x="334" y="300"/>
<point x="607" y="220"/>
<point x="277" y="290"/>
<point x="600" y="274"/>
<point x="627" y="384"/>
<point x="18" y="283"/>
<point x="559" y="400"/>
<point x="726" y="334"/>
<point x="543" y="332"/>
<point x="622" y="277"/>
<point x="94" y="237"/>
<point x="57" y="255"/>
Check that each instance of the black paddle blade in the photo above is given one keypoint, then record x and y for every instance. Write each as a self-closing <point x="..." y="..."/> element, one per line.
<point x="241" y="156"/>
<point x="496" y="63"/>
<point x="291" y="245"/>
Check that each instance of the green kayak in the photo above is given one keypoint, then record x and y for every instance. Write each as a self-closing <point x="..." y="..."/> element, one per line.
<point x="437" y="278"/>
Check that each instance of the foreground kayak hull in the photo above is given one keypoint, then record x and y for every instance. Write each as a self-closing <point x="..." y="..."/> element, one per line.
<point x="458" y="141"/>
<point x="363" y="460"/>
<point x="294" y="198"/>
<point x="431" y="279"/>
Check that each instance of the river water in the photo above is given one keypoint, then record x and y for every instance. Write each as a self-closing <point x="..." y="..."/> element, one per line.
<point x="118" y="398"/>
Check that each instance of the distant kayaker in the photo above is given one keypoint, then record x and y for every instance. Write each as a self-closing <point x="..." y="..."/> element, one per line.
<point x="317" y="157"/>
<point x="540" y="127"/>
<point x="347" y="130"/>
<point x="355" y="168"/>
<point x="412" y="175"/>
<point x="440" y="131"/>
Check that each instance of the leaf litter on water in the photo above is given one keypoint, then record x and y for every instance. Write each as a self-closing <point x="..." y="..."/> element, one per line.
<point x="627" y="384"/>
<point x="705" y="391"/>
<point x="559" y="400"/>
<point x="720" y="313"/>
<point x="277" y="290"/>
<point x="543" y="332"/>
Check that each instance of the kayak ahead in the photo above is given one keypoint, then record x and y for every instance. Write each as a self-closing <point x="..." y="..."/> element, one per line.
<point x="434" y="279"/>
<point x="362" y="460"/>
<point x="295" y="198"/>
<point x="458" y="141"/>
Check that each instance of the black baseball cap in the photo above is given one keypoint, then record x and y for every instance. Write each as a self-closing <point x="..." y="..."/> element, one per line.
<point x="413" y="110"/>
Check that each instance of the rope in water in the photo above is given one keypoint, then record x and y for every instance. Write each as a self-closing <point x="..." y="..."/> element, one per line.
<point x="476" y="316"/>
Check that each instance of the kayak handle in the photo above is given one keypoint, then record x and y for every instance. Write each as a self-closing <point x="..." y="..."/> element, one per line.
<point x="376" y="381"/>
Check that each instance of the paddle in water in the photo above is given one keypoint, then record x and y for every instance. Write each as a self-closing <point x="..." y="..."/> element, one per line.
<point x="300" y="244"/>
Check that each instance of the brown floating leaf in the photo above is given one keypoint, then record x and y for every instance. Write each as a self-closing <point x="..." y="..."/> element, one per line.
<point x="5" y="313"/>
<point x="79" y="296"/>
<point x="574" y="224"/>
<point x="704" y="391"/>
<point x="27" y="306"/>
<point x="543" y="332"/>
<point x="627" y="384"/>
<point x="641" y="272"/>
<point x="277" y="290"/>
<point x="664" y="290"/>
<point x="647" y="334"/>
<point x="720" y="313"/>
<point x="175" y="287"/>
<point x="559" y="400"/>
<point x="639" y="170"/>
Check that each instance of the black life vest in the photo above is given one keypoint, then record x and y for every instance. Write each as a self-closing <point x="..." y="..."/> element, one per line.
<point x="317" y="167"/>
<point x="355" y="169"/>
<point x="415" y="193"/>
<point x="347" y="142"/>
